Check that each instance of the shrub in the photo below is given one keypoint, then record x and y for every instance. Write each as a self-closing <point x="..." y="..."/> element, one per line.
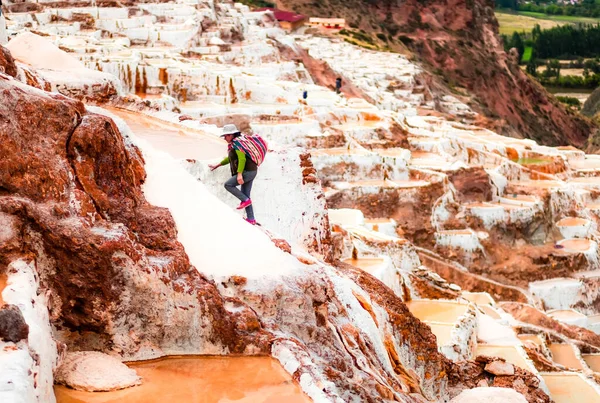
<point x="405" y="40"/>
<point x="570" y="101"/>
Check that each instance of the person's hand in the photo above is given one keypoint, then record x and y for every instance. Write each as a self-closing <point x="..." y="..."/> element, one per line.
<point x="214" y="166"/>
<point x="240" y="179"/>
<point x="185" y="117"/>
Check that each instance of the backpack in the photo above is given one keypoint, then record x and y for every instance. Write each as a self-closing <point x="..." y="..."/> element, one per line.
<point x="255" y="147"/>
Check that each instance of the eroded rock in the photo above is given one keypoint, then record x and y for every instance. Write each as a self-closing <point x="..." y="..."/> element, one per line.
<point x="500" y="368"/>
<point x="7" y="63"/>
<point x="13" y="327"/>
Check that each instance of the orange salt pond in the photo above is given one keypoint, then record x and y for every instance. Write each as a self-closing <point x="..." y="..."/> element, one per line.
<point x="593" y="361"/>
<point x="480" y="298"/>
<point x="569" y="387"/>
<point x="341" y="151"/>
<point x="179" y="141"/>
<point x="437" y="311"/>
<point x="509" y="353"/>
<point x="575" y="245"/>
<point x="531" y="337"/>
<point x="564" y="354"/>
<point x="393" y="152"/>
<point x="572" y="222"/>
<point x="543" y="184"/>
<point x="368" y="264"/>
<point x="200" y="380"/>
<point x="2" y="287"/>
<point x="388" y="183"/>
<point x="442" y="332"/>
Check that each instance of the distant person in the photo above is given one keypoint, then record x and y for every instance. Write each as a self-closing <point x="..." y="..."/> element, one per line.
<point x="338" y="85"/>
<point x="304" y="95"/>
<point x="244" y="155"/>
<point x="3" y="35"/>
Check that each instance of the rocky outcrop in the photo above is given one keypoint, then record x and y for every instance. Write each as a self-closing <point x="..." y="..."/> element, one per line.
<point x="591" y="105"/>
<point x="459" y="41"/>
<point x="478" y="374"/>
<point x="13" y="327"/>
<point x="73" y="192"/>
<point x="7" y="63"/>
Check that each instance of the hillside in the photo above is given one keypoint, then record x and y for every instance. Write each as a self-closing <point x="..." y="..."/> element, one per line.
<point x="402" y="252"/>
<point x="458" y="40"/>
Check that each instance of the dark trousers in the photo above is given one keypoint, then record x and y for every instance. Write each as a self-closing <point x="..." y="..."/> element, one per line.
<point x="231" y="186"/>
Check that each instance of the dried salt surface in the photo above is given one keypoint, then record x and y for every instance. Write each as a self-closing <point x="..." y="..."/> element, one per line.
<point x="23" y="378"/>
<point x="93" y="371"/>
<point x="489" y="331"/>
<point x="55" y="65"/>
<point x="40" y="53"/>
<point x="231" y="246"/>
<point x="489" y="395"/>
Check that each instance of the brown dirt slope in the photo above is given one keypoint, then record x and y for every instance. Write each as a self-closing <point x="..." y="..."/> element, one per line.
<point x="458" y="39"/>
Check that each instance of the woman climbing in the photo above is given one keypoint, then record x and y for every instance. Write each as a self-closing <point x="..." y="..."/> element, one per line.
<point x="245" y="154"/>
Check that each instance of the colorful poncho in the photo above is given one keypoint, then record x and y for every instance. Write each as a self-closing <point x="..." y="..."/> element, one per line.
<point x="255" y="147"/>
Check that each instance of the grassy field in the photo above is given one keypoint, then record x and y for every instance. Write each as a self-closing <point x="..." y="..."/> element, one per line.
<point x="564" y="72"/>
<point x="525" y="21"/>
<point x="510" y="23"/>
<point x="572" y="19"/>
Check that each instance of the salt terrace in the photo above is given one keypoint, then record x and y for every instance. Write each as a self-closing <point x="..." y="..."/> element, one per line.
<point x="467" y="226"/>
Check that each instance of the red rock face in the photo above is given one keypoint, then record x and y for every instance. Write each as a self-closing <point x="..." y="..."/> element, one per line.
<point x="7" y="63"/>
<point x="71" y="191"/>
<point x="472" y="184"/>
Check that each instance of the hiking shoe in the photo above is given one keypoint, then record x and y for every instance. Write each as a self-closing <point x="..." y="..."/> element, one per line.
<point x="244" y="204"/>
<point x="253" y="222"/>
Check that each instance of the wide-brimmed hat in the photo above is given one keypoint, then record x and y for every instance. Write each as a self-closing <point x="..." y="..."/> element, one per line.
<point x="229" y="129"/>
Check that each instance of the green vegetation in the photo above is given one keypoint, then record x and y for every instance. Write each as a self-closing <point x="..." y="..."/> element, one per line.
<point x="257" y="3"/>
<point x="567" y="42"/>
<point x="589" y="82"/>
<point x="360" y="36"/>
<point x="573" y="19"/>
<point x="571" y="12"/>
<point x="382" y="37"/>
<point x="527" y="54"/>
<point x="570" y="102"/>
<point x="532" y="161"/>
<point x="512" y="22"/>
